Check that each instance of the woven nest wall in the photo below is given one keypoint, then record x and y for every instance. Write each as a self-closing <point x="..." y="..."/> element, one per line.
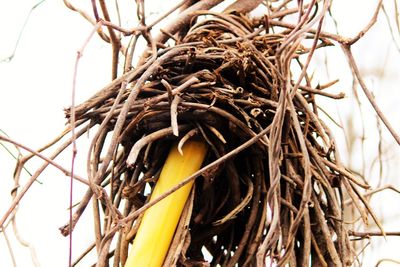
<point x="272" y="186"/>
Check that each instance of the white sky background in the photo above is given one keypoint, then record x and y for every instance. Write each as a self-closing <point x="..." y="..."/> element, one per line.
<point x="35" y="87"/>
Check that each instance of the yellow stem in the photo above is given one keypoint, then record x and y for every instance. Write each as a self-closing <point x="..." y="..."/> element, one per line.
<point x="159" y="222"/>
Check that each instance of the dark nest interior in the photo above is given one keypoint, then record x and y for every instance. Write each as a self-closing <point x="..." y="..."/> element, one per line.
<point x="273" y="186"/>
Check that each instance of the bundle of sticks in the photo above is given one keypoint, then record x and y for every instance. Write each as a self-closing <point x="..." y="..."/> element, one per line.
<point x="272" y="186"/>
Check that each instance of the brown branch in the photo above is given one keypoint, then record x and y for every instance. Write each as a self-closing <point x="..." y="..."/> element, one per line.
<point x="373" y="20"/>
<point x="308" y="89"/>
<point x="184" y="18"/>
<point x="242" y="6"/>
<point x="368" y="234"/>
<point x="88" y="18"/>
<point x="115" y="41"/>
<point x="9" y="246"/>
<point x="374" y="191"/>
<point x="368" y="94"/>
<point x="174" y="114"/>
<point x="73" y="135"/>
<point x="134" y="153"/>
<point x="387" y="260"/>
<point x="50" y="161"/>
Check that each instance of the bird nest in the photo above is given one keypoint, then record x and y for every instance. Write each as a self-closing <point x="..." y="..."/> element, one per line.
<point x="272" y="186"/>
